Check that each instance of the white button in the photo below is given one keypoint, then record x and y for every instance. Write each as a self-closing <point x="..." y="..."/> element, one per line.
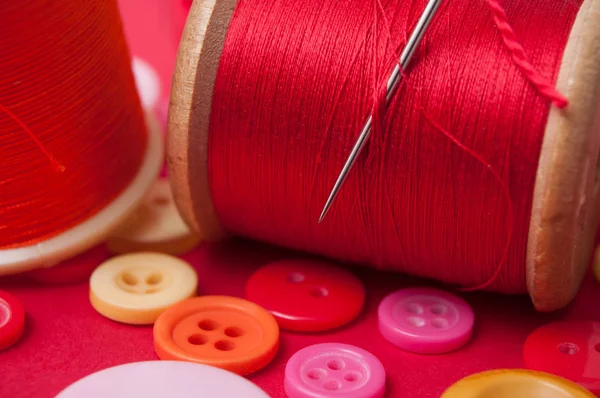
<point x="162" y="379"/>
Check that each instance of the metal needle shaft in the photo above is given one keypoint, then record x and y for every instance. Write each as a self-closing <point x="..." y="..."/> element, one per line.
<point x="392" y="84"/>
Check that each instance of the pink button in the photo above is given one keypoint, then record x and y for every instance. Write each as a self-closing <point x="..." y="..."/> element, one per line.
<point x="426" y="321"/>
<point x="161" y="379"/>
<point x="331" y="369"/>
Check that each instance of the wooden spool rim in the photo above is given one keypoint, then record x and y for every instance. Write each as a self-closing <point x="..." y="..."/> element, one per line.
<point x="95" y="229"/>
<point x="565" y="209"/>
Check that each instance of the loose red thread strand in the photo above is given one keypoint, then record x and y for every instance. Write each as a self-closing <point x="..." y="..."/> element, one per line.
<point x="57" y="166"/>
<point x="505" y="191"/>
<point x="458" y="149"/>
<point x="483" y="162"/>
<point x="68" y="95"/>
<point x="378" y="114"/>
<point x="520" y="57"/>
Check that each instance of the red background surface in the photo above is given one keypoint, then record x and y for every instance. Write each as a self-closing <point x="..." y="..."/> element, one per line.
<point x="65" y="339"/>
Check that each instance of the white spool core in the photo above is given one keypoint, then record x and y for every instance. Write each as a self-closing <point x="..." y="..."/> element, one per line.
<point x="147" y="82"/>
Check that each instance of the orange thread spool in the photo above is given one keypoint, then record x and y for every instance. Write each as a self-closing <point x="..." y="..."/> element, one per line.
<point x="75" y="152"/>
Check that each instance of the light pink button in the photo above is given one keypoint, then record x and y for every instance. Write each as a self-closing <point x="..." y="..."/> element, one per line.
<point x="161" y="379"/>
<point x="334" y="370"/>
<point x="426" y="321"/>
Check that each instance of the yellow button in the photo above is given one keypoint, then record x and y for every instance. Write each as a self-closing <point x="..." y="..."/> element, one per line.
<point x="155" y="226"/>
<point x="136" y="288"/>
<point x="515" y="383"/>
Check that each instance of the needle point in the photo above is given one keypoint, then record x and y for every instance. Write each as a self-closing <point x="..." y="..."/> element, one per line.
<point x="326" y="208"/>
<point x="415" y="37"/>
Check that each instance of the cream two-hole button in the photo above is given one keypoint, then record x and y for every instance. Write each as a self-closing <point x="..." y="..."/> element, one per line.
<point x="136" y="288"/>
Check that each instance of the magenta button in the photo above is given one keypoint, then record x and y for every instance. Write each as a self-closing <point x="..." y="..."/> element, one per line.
<point x="334" y="370"/>
<point x="426" y="321"/>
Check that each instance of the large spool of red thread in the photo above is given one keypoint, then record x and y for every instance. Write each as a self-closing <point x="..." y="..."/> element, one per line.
<point x="471" y="176"/>
<point x="77" y="152"/>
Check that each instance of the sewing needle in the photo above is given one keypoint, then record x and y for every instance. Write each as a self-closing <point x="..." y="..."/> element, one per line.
<point x="392" y="84"/>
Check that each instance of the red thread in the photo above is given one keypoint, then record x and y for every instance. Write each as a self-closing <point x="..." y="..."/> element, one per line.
<point x="445" y="185"/>
<point x="57" y="166"/>
<point x="521" y="60"/>
<point x="67" y="96"/>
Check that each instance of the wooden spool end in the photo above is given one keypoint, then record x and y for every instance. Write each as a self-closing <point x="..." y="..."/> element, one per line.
<point x="189" y="113"/>
<point x="564" y="215"/>
<point x="565" y="206"/>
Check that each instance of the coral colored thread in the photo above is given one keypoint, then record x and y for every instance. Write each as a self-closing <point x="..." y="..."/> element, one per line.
<point x="65" y="74"/>
<point x="444" y="188"/>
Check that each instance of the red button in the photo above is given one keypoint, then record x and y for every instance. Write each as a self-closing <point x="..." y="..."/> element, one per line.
<point x="12" y="320"/>
<point x="567" y="349"/>
<point x="307" y="295"/>
<point x="75" y="270"/>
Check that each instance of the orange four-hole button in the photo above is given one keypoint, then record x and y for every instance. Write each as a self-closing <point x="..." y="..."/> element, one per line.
<point x="226" y="332"/>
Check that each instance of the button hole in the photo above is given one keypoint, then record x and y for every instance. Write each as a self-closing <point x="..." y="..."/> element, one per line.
<point x="129" y="279"/>
<point x="295" y="277"/>
<point x="439" y="323"/>
<point x="414" y="308"/>
<point x="234" y="332"/>
<point x="154" y="279"/>
<point x="438" y="309"/>
<point x="416" y="321"/>
<point x="317" y="374"/>
<point x="335" y="364"/>
<point x="352" y="376"/>
<point x="208" y="325"/>
<point x="197" y="339"/>
<point x="224" y="345"/>
<point x="319" y="292"/>
<point x="332" y="385"/>
<point x="569" y="348"/>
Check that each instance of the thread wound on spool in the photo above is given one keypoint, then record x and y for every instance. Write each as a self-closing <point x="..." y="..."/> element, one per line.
<point x="290" y="97"/>
<point x="67" y="99"/>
